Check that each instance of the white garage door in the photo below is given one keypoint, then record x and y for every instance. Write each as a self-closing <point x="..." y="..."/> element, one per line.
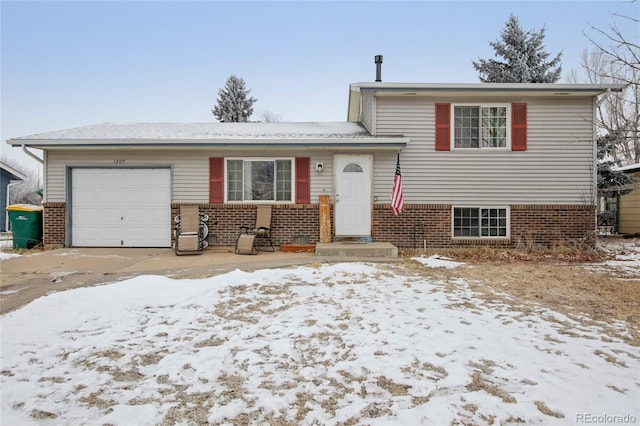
<point x="121" y="207"/>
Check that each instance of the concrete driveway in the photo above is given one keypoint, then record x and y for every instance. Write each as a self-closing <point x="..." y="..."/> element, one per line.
<point x="25" y="278"/>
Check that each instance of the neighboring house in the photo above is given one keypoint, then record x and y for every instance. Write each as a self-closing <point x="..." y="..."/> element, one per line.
<point x="629" y="204"/>
<point x="8" y="176"/>
<point x="500" y="164"/>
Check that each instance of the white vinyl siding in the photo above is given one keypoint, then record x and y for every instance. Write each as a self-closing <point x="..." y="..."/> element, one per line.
<point x="556" y="168"/>
<point x="190" y="169"/>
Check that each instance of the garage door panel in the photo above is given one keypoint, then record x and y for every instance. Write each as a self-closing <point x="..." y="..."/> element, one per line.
<point x="82" y="215"/>
<point x="108" y="196"/>
<point x="142" y="215"/>
<point x="133" y="196"/>
<point x="108" y="179"/>
<point x="108" y="216"/>
<point x="155" y="197"/>
<point x="86" y="197"/>
<point x="85" y="236"/>
<point x="121" y="207"/>
<point x="91" y="179"/>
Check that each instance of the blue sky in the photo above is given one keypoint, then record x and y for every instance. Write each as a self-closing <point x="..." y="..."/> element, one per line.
<point x="69" y="64"/>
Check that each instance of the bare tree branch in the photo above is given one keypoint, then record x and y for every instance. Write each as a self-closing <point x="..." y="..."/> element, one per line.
<point x="617" y="60"/>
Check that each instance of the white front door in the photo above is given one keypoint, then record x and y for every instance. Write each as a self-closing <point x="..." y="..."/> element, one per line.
<point x="353" y="195"/>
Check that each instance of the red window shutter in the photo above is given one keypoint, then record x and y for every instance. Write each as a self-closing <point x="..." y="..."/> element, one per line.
<point x="216" y="180"/>
<point x="303" y="180"/>
<point x="443" y="127"/>
<point x="518" y="127"/>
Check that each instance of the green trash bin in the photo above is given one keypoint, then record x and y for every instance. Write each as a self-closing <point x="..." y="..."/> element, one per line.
<point x="26" y="225"/>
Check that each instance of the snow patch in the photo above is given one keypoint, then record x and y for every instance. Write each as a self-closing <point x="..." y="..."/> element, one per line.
<point x="5" y="255"/>
<point x="437" y="261"/>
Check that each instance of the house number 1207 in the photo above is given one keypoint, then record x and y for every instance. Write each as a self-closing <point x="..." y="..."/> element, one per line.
<point x="119" y="161"/>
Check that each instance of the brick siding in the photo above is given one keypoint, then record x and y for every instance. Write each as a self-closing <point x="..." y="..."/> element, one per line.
<point x="545" y="225"/>
<point x="287" y="221"/>
<point x="549" y="225"/>
<point x="420" y="223"/>
<point x="54" y="224"/>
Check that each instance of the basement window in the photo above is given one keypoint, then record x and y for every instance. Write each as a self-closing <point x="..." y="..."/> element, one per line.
<point x="480" y="222"/>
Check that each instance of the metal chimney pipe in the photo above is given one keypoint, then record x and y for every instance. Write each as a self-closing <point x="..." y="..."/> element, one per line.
<point x="378" y="60"/>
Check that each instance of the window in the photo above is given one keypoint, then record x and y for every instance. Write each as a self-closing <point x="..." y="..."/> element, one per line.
<point x="352" y="168"/>
<point x="259" y="179"/>
<point x="480" y="222"/>
<point x="480" y="126"/>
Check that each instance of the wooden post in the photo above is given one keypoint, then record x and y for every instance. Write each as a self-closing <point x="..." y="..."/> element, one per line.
<point x="325" y="219"/>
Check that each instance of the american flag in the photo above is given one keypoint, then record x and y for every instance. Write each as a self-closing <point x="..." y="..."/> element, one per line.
<point x="397" y="205"/>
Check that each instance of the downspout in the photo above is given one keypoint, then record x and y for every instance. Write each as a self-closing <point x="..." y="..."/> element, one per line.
<point x="39" y="160"/>
<point x="6" y="212"/>
<point x="595" y="201"/>
<point x="31" y="154"/>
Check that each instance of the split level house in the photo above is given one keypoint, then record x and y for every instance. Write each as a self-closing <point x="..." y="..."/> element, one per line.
<point x="498" y="164"/>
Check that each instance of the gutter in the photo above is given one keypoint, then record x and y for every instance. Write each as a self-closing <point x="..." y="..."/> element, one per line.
<point x="488" y="87"/>
<point x="31" y="154"/>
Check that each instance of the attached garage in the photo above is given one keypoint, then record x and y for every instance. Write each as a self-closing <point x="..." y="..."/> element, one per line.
<point x="120" y="207"/>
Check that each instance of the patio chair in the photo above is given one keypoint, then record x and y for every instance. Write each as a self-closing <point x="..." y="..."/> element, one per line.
<point x="191" y="231"/>
<point x="252" y="239"/>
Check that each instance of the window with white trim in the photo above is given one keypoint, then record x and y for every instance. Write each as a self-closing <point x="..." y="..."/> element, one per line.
<point x="260" y="179"/>
<point x="480" y="126"/>
<point x="480" y="222"/>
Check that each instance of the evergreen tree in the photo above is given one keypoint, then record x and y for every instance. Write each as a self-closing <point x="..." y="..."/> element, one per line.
<point x="611" y="181"/>
<point x="234" y="103"/>
<point x="524" y="58"/>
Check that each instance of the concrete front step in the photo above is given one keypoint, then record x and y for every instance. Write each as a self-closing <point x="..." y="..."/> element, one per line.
<point x="372" y="249"/>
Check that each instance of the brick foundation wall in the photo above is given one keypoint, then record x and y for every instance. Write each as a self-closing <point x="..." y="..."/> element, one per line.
<point x="417" y="223"/>
<point x="540" y="225"/>
<point x="54" y="224"/>
<point x="530" y="224"/>
<point x="287" y="221"/>
<point x="549" y="225"/>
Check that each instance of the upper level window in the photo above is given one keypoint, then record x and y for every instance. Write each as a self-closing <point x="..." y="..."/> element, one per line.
<point x="480" y="126"/>
<point x="259" y="180"/>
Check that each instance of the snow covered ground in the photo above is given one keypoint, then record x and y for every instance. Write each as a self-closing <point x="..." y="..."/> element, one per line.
<point x="626" y="258"/>
<point x="6" y="243"/>
<point x="350" y="343"/>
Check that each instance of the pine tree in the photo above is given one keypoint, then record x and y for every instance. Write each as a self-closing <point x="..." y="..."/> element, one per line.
<point x="525" y="60"/>
<point x="234" y="103"/>
<point x="610" y="180"/>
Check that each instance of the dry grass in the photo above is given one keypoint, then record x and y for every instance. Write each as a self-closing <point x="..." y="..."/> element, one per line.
<point x="556" y="278"/>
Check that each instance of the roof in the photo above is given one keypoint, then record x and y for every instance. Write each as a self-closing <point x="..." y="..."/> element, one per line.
<point x="15" y="174"/>
<point x="218" y="134"/>
<point x="533" y="89"/>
